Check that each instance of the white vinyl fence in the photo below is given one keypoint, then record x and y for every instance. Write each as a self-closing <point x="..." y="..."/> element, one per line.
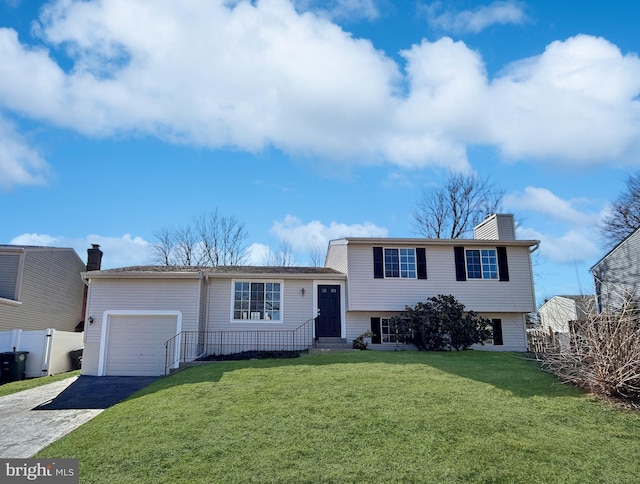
<point x="48" y="349"/>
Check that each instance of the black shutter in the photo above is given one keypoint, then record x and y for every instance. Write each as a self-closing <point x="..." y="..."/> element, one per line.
<point x="461" y="271"/>
<point x="376" y="330"/>
<point x="378" y="264"/>
<point x="497" y="331"/>
<point x="421" y="259"/>
<point x="503" y="266"/>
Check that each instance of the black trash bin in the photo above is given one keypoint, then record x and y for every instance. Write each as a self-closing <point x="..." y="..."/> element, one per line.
<point x="76" y="359"/>
<point x="12" y="365"/>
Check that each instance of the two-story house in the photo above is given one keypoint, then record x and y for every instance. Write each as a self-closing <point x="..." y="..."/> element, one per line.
<point x="490" y="274"/>
<point x="40" y="287"/>
<point x="145" y="319"/>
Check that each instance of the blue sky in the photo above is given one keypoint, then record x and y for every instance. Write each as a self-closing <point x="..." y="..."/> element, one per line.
<point x="310" y="120"/>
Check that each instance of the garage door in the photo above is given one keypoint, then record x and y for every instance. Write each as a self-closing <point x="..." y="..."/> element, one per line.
<point x="135" y="344"/>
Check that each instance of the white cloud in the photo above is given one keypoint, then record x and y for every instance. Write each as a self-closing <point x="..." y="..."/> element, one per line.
<point x="315" y="235"/>
<point x="577" y="101"/>
<point x="575" y="245"/>
<point x="252" y="74"/>
<point x="569" y="234"/>
<point x="544" y="201"/>
<point x="20" y="164"/>
<point x="117" y="251"/>
<point x="258" y="254"/>
<point x="476" y="20"/>
<point x="341" y="9"/>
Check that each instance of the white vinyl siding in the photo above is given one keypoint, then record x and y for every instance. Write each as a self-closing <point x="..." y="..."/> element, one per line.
<point x="556" y="313"/>
<point x="514" y="336"/>
<point x="142" y="294"/>
<point x="50" y="291"/>
<point x="496" y="227"/>
<point x="617" y="275"/>
<point x="337" y="256"/>
<point x="366" y="293"/>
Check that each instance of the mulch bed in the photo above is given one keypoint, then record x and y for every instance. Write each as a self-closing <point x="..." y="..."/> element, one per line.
<point x="251" y="355"/>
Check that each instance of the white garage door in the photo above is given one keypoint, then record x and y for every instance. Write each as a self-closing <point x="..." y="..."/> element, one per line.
<point x="135" y="344"/>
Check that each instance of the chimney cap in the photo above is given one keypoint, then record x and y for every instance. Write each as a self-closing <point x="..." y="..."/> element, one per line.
<point x="95" y="246"/>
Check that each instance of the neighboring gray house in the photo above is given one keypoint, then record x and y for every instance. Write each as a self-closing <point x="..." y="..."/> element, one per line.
<point x="40" y="288"/>
<point x="559" y="314"/>
<point x="143" y="320"/>
<point x="617" y="275"/>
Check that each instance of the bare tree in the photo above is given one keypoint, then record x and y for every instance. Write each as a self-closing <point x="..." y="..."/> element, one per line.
<point x="222" y="239"/>
<point x="317" y="256"/>
<point x="624" y="216"/>
<point x="162" y="248"/>
<point x="451" y="211"/>
<point x="601" y="353"/>
<point x="283" y="257"/>
<point x="210" y="240"/>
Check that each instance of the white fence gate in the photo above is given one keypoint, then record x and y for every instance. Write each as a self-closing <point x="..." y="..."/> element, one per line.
<point x="48" y="349"/>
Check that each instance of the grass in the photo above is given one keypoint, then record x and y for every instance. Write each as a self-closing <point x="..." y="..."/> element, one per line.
<point x="359" y="417"/>
<point x="18" y="386"/>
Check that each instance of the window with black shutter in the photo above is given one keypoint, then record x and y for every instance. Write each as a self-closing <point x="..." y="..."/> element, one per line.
<point x="461" y="272"/>
<point x="497" y="331"/>
<point x="378" y="263"/>
<point x="503" y="265"/>
<point x="421" y="259"/>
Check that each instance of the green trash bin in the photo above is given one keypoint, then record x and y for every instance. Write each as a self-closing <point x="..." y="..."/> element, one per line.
<point x="76" y="359"/>
<point x="12" y="365"/>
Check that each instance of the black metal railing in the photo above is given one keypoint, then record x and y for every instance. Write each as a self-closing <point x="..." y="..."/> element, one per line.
<point x="191" y="345"/>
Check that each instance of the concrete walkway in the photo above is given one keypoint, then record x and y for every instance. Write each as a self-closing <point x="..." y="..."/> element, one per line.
<point x="25" y="431"/>
<point x="32" y="419"/>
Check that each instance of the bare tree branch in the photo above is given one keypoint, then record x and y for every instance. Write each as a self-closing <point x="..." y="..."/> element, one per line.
<point x="624" y="216"/>
<point x="210" y="240"/>
<point x="453" y="210"/>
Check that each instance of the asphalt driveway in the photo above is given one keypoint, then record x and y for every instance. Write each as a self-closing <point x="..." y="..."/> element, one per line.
<point x="32" y="419"/>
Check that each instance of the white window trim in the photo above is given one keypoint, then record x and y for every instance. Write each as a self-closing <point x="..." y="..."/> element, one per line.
<point x="259" y="321"/>
<point x="482" y="278"/>
<point x="10" y="302"/>
<point x="384" y="263"/>
<point x="104" y="331"/>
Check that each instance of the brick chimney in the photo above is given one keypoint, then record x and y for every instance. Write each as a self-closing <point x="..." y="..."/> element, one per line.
<point x="94" y="258"/>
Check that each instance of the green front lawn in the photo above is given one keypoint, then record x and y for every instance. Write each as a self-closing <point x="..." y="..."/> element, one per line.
<point x="18" y="386"/>
<point x="362" y="417"/>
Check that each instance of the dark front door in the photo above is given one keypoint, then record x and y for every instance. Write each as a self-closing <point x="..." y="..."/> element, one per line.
<point x="328" y="320"/>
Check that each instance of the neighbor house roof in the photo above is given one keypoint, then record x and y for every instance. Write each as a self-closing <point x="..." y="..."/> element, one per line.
<point x="216" y="272"/>
<point x="584" y="304"/>
<point x="423" y="241"/>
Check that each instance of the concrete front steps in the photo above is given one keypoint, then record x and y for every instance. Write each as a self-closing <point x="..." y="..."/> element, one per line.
<point x="331" y="344"/>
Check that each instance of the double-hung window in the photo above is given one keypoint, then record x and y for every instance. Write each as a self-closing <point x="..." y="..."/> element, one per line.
<point x="482" y="264"/>
<point x="400" y="263"/>
<point x="261" y="301"/>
